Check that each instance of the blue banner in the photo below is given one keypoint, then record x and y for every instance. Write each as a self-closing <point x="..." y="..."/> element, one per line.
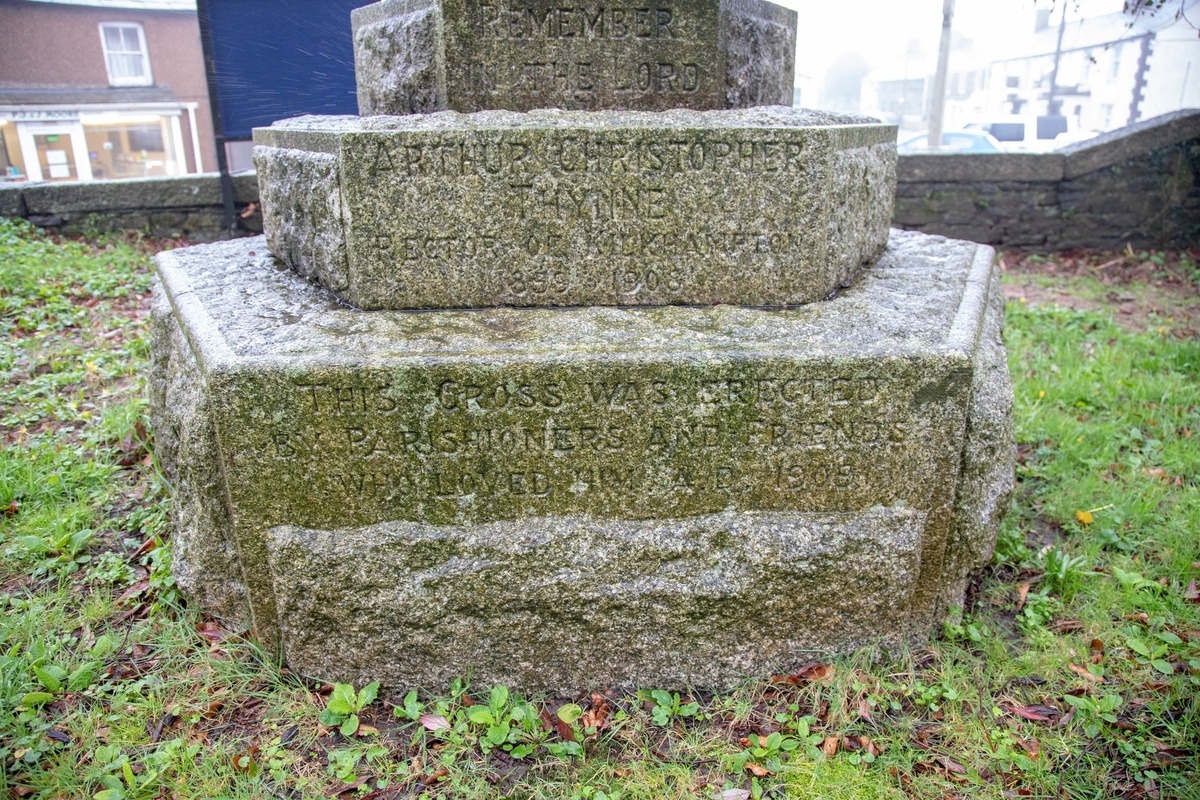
<point x="273" y="59"/>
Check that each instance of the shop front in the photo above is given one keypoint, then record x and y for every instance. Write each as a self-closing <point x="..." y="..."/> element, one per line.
<point x="97" y="142"/>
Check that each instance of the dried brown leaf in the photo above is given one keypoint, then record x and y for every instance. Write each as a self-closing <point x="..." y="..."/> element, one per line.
<point x="1030" y="746"/>
<point x="1022" y="593"/>
<point x="1032" y="713"/>
<point x="1085" y="674"/>
<point x="1066" y="625"/>
<point x="134" y="590"/>
<point x="830" y="746"/>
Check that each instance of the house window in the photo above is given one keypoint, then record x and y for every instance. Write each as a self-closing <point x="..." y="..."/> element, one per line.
<point x="125" y="54"/>
<point x="1012" y="82"/>
<point x="1116" y="61"/>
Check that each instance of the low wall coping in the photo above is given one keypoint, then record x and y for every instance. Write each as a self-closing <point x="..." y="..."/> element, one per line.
<point x="1122" y="144"/>
<point x="185" y="191"/>
<point x="1068" y="163"/>
<point x="999" y="167"/>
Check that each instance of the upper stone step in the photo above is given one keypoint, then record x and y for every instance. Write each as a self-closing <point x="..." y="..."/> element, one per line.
<point x="418" y="56"/>
<point x="763" y="207"/>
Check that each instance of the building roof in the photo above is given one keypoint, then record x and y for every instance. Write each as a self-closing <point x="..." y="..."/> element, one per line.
<point x="145" y="5"/>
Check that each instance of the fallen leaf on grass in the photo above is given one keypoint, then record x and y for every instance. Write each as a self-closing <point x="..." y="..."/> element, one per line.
<point x="12" y="508"/>
<point x="58" y="736"/>
<point x="134" y="590"/>
<point x="1066" y="626"/>
<point x="1035" y="713"/>
<point x="864" y="710"/>
<point x="1084" y="517"/>
<point x="1191" y="594"/>
<point x="1030" y="746"/>
<point x="757" y="769"/>
<point x="1141" y="617"/>
<point x="830" y="746"/>
<point x="212" y="632"/>
<point x="1022" y="593"/>
<point x="1165" y="754"/>
<point x="1085" y="674"/>
<point x="435" y="776"/>
<point x="244" y="762"/>
<point x="596" y="716"/>
<point x="815" y="671"/>
<point x="945" y="766"/>
<point x="866" y="744"/>
<point x="135" y="447"/>
<point x="434" y="722"/>
<point x="565" y="730"/>
<point x="145" y="547"/>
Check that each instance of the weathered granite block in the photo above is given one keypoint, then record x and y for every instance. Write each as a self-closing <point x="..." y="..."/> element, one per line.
<point x="417" y="56"/>
<point x="555" y="498"/>
<point x="424" y="600"/>
<point x="766" y="206"/>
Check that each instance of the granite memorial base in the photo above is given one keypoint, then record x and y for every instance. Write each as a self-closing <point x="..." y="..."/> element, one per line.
<point x="558" y="499"/>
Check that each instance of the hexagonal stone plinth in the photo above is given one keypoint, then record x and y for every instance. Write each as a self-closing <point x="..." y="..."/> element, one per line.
<point x="770" y="206"/>
<point x="417" y="56"/>
<point x="564" y="498"/>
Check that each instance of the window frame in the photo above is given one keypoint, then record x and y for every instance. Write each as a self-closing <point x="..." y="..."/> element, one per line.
<point x="147" y="76"/>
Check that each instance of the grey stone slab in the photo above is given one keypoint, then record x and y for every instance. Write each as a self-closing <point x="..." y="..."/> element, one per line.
<point x="766" y="206"/>
<point x="558" y="604"/>
<point x="499" y="435"/>
<point x="418" y="56"/>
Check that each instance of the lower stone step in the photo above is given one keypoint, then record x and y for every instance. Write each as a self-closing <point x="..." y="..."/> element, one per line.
<point x="558" y="499"/>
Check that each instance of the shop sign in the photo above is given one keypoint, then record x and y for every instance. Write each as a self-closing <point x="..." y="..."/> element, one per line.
<point x="26" y="115"/>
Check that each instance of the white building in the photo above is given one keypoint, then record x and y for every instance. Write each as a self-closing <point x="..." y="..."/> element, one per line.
<point x="1113" y="70"/>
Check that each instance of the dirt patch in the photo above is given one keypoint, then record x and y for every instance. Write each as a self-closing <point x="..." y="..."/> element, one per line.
<point x="1144" y="291"/>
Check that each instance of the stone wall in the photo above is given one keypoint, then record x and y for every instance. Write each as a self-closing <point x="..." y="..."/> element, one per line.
<point x="1139" y="185"/>
<point x="188" y="206"/>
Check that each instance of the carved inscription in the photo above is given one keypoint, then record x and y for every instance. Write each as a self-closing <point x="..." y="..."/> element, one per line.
<point x="502" y="20"/>
<point x="622" y="442"/>
<point x="596" y="215"/>
<point x="577" y="154"/>
<point x="586" y="52"/>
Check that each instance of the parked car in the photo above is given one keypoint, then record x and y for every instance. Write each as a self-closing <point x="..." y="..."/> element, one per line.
<point x="1032" y="134"/>
<point x="952" y="142"/>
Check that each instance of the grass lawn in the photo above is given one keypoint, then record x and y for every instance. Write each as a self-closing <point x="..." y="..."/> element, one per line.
<point x="1075" y="671"/>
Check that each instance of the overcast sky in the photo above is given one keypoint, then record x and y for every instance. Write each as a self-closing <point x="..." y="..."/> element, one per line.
<point x="879" y="29"/>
